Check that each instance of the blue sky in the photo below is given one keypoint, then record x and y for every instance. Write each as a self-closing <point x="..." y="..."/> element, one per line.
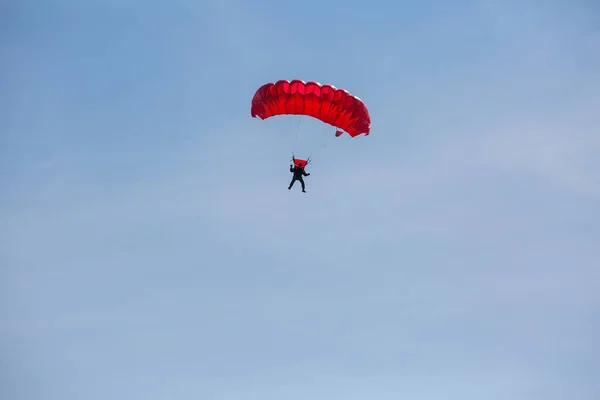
<point x="150" y="249"/>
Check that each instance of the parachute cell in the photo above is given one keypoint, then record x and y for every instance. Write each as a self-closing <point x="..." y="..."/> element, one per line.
<point x="333" y="106"/>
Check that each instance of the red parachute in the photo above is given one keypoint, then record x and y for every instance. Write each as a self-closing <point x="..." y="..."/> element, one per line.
<point x="326" y="103"/>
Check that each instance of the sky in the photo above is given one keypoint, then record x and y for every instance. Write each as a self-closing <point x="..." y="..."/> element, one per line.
<point x="150" y="248"/>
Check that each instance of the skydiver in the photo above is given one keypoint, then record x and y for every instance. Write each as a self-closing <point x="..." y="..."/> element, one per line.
<point x="298" y="172"/>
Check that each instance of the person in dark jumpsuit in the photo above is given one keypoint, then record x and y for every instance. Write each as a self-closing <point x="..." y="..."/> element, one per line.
<point x="298" y="172"/>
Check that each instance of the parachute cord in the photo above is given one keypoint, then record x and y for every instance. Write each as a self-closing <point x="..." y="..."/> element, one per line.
<point x="297" y="132"/>
<point x="324" y="142"/>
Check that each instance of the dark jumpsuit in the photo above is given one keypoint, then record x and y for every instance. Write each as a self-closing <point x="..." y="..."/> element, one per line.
<point x="298" y="173"/>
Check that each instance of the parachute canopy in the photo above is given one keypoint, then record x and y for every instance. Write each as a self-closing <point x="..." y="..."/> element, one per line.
<point x="326" y="103"/>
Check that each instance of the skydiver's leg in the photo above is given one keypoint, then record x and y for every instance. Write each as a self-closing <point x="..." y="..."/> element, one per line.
<point x="302" y="183"/>
<point x="292" y="183"/>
